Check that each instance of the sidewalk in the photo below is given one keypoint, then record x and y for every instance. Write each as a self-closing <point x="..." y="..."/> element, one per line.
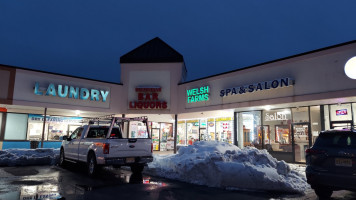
<point x="163" y="152"/>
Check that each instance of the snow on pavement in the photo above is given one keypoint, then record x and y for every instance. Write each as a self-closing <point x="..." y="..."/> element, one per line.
<point x="213" y="164"/>
<point x="222" y="165"/>
<point x="22" y="157"/>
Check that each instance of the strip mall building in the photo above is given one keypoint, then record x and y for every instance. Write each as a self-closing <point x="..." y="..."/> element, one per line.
<point x="280" y="106"/>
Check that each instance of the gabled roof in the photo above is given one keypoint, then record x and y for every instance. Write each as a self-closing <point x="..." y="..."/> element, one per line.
<point x="153" y="51"/>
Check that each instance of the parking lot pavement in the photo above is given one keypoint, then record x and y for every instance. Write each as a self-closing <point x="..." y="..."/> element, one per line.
<point x="52" y="182"/>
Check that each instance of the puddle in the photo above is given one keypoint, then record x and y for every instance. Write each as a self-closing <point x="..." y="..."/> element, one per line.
<point x="18" y="171"/>
<point x="34" y="192"/>
<point x="26" y="182"/>
<point x="39" y="192"/>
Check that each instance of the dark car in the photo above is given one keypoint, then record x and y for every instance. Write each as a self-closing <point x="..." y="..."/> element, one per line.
<point x="331" y="162"/>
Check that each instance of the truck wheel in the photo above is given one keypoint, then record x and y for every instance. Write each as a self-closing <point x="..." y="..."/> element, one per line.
<point x="323" y="192"/>
<point x="91" y="165"/>
<point x="136" y="169"/>
<point x="62" y="161"/>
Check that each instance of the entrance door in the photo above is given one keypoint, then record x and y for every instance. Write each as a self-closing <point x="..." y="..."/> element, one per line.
<point x="301" y="142"/>
<point x="341" y="124"/>
<point x="203" y="135"/>
<point x="155" y="139"/>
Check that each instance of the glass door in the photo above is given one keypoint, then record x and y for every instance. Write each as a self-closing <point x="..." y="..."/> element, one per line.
<point x="203" y="134"/>
<point x="155" y="139"/>
<point x="301" y="132"/>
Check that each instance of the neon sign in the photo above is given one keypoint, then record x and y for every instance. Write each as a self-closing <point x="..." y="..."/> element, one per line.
<point x="341" y="112"/>
<point x="198" y="94"/>
<point x="147" y="98"/>
<point x="65" y="91"/>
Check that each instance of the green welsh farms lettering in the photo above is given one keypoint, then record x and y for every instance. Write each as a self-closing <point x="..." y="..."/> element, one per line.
<point x="71" y="92"/>
<point x="198" y="94"/>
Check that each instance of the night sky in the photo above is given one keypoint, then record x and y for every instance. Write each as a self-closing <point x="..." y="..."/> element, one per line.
<point x="86" y="38"/>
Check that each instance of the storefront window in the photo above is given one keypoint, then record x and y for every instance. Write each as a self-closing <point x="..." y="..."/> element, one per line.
<point x="224" y="129"/>
<point x="340" y="116"/>
<point x="55" y="126"/>
<point x="300" y="115"/>
<point x="278" y="122"/>
<point x="203" y="131"/>
<point x="192" y="131"/>
<point x="1" y="114"/>
<point x="181" y="136"/>
<point x="16" y="126"/>
<point x="252" y="135"/>
<point x="155" y="135"/>
<point x="167" y="139"/>
<point x="315" y="122"/>
<point x="326" y="117"/>
<point x="211" y="129"/>
<point x="354" y="113"/>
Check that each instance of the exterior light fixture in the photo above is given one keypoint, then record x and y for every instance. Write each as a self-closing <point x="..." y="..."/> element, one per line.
<point x="268" y="107"/>
<point x="350" y="68"/>
<point x="77" y="112"/>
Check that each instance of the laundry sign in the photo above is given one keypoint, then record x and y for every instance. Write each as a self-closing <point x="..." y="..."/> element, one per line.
<point x="71" y="92"/>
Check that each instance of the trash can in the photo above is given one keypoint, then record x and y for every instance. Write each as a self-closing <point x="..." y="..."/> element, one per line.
<point x="34" y="144"/>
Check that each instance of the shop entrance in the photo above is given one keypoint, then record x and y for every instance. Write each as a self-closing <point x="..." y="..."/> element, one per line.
<point x="301" y="142"/>
<point x="203" y="134"/>
<point x="156" y="139"/>
<point x="341" y="124"/>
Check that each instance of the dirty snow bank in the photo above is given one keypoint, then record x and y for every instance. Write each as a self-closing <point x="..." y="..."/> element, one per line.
<point x="22" y="157"/>
<point x="217" y="164"/>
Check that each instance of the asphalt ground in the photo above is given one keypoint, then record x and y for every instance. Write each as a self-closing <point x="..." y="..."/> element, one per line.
<point x="53" y="182"/>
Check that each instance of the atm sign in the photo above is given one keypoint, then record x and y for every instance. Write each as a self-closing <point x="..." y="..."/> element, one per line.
<point x="341" y="112"/>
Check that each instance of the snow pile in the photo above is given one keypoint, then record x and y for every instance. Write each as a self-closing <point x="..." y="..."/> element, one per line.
<point x="217" y="164"/>
<point x="22" y="157"/>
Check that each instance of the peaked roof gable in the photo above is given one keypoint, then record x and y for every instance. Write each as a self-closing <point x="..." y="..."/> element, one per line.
<point x="153" y="51"/>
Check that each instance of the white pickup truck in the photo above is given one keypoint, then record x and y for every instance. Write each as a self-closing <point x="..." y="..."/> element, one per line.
<point x="117" y="142"/>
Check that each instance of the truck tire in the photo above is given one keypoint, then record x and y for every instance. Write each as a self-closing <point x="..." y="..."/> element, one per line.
<point x="137" y="169"/>
<point x="62" y="161"/>
<point x="323" y="192"/>
<point x="92" y="167"/>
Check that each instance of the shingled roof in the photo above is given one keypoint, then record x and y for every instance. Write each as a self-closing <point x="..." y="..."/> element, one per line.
<point x="153" y="51"/>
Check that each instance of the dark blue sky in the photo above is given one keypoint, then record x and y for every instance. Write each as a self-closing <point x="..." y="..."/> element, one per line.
<point x="86" y="38"/>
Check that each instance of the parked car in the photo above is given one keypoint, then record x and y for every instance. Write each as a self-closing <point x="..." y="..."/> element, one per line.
<point x="117" y="142"/>
<point x="331" y="162"/>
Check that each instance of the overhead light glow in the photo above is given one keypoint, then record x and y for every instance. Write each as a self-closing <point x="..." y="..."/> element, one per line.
<point x="268" y="107"/>
<point x="77" y="112"/>
<point x="350" y="68"/>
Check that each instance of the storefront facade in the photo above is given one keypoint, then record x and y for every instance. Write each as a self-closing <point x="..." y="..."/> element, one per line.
<point x="280" y="106"/>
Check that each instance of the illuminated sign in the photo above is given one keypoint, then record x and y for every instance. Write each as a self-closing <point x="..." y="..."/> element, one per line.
<point x="255" y="87"/>
<point x="341" y="112"/>
<point x="71" y="92"/>
<point x="278" y="116"/>
<point x="147" y="98"/>
<point x="198" y="94"/>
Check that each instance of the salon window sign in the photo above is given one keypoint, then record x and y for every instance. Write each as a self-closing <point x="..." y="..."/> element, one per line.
<point x="71" y="92"/>
<point x="148" y="98"/>
<point x="277" y="116"/>
<point x="256" y="87"/>
<point x="198" y="94"/>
